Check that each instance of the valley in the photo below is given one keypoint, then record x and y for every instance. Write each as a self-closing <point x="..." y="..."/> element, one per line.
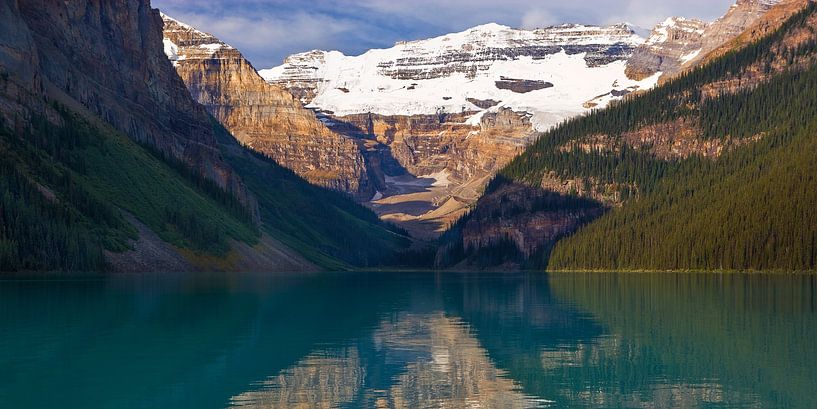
<point x="427" y="123"/>
<point x="491" y="146"/>
<point x="428" y="209"/>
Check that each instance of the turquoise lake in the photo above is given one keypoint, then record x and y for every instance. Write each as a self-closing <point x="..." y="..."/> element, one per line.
<point x="394" y="340"/>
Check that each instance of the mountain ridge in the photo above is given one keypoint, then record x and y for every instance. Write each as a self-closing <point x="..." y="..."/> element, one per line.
<point x="108" y="164"/>
<point x="756" y="100"/>
<point x="263" y="116"/>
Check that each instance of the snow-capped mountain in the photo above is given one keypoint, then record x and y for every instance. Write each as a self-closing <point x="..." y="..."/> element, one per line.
<point x="553" y="73"/>
<point x="432" y="120"/>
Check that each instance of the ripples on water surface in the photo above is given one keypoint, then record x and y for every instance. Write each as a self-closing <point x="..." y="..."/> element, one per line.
<point x="385" y="340"/>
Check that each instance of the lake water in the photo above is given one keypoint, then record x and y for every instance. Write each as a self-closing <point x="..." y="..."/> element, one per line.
<point x="385" y="340"/>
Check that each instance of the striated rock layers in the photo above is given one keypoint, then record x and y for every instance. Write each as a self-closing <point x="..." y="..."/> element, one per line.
<point x="671" y="43"/>
<point x="769" y="22"/>
<point x="264" y="117"/>
<point x="549" y="72"/>
<point x="429" y="144"/>
<point x="432" y="167"/>
<point x="678" y="43"/>
<point x="106" y="58"/>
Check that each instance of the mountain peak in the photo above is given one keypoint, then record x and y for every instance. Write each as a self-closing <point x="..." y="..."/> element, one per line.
<point x="187" y="35"/>
<point x="490" y="27"/>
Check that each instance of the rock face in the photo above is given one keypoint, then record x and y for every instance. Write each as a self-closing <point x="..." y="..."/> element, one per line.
<point x="429" y="144"/>
<point x="439" y="117"/>
<point x="527" y="219"/>
<point x="671" y="43"/>
<point x="262" y="116"/>
<point x="678" y="43"/>
<point x="770" y="21"/>
<point x="106" y="58"/>
<point x="549" y="72"/>
<point x="521" y="86"/>
<point x="431" y="167"/>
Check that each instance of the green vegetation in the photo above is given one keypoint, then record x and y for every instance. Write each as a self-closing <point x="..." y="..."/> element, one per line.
<point x="65" y="187"/>
<point x="745" y="114"/>
<point x="751" y="209"/>
<point x="325" y="226"/>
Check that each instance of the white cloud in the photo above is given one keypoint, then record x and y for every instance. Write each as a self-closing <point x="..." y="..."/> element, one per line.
<point x="269" y="30"/>
<point x="537" y="18"/>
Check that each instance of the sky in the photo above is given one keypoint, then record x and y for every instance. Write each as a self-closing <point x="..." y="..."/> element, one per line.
<point x="267" y="31"/>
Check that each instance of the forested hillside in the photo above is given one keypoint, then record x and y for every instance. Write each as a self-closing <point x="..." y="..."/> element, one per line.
<point x="713" y="170"/>
<point x="67" y="187"/>
<point x="107" y="163"/>
<point x="751" y="209"/>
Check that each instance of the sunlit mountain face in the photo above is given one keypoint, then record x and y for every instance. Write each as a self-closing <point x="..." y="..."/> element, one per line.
<point x="410" y="340"/>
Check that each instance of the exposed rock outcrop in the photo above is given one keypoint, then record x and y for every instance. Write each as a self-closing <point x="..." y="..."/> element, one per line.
<point x="550" y="71"/>
<point x="522" y="215"/>
<point x="678" y="43"/>
<point x="670" y="44"/>
<point x="521" y="86"/>
<point x="452" y="156"/>
<point x="105" y="58"/>
<point x="262" y="116"/>
<point x="677" y="139"/>
<point x="769" y="22"/>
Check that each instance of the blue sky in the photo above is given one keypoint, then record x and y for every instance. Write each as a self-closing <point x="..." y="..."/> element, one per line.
<point x="266" y="31"/>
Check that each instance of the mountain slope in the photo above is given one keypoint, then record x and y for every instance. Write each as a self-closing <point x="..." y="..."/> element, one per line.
<point x="549" y="72"/>
<point x="108" y="163"/>
<point x="121" y="78"/>
<point x="439" y="117"/>
<point x="263" y="117"/>
<point x="709" y="171"/>
<point x="678" y="44"/>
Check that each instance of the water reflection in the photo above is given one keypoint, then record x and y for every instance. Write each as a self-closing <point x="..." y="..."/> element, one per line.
<point x="410" y="340"/>
<point x="412" y="360"/>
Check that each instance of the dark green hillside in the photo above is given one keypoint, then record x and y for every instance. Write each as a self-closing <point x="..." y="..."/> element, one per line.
<point x="751" y="208"/>
<point x="740" y="115"/>
<point x="65" y="187"/>
<point x="323" y="225"/>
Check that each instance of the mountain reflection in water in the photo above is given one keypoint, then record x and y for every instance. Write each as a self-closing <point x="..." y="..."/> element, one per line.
<point x="386" y="340"/>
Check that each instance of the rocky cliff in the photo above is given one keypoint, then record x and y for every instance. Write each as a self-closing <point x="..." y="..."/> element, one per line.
<point x="438" y="117"/>
<point x="679" y="43"/>
<point x="770" y="21"/>
<point x="262" y="116"/>
<point x="671" y="43"/>
<point x="106" y="58"/>
<point x="431" y="167"/>
<point x="648" y="146"/>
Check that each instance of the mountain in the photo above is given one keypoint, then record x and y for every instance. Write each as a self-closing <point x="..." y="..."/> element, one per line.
<point x="261" y="116"/>
<point x="439" y="117"/>
<point x="549" y="72"/>
<point x="711" y="171"/>
<point x="47" y="50"/>
<point x="108" y="163"/>
<point x="678" y="43"/>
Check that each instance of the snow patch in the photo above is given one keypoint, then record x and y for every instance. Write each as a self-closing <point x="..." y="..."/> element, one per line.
<point x="441" y="178"/>
<point x="212" y="48"/>
<point x="172" y="52"/>
<point x="476" y="119"/>
<point x="690" y="56"/>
